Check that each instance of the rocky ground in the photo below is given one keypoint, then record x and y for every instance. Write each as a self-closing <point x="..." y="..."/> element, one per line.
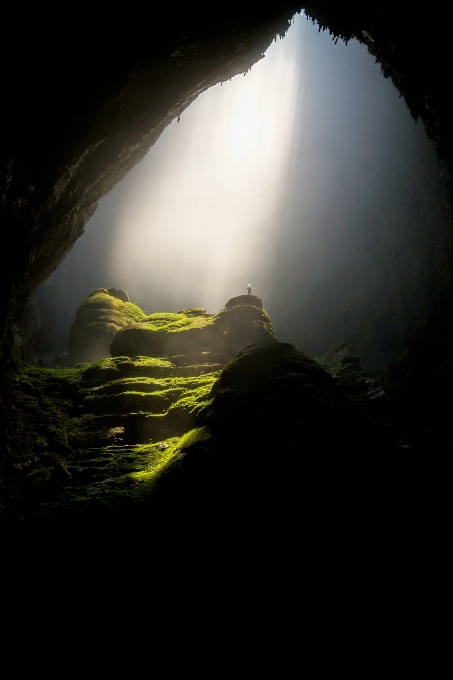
<point x="111" y="437"/>
<point x="86" y="430"/>
<point x="131" y="435"/>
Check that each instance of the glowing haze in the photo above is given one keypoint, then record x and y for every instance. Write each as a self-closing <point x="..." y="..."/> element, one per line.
<point x="306" y="178"/>
<point x="195" y="227"/>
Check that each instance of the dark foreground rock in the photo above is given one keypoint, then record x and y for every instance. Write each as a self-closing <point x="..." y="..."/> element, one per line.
<point x="272" y="397"/>
<point x="102" y="438"/>
<point x="282" y="442"/>
<point x="273" y="446"/>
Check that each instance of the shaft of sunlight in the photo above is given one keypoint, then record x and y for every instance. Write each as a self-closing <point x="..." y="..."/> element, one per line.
<point x="198" y="225"/>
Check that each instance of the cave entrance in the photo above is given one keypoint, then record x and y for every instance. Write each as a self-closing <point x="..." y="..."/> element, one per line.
<point x="335" y="238"/>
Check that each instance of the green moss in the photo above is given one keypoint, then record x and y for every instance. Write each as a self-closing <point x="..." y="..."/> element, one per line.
<point x="198" y="434"/>
<point x="106" y="308"/>
<point x="80" y="427"/>
<point x="173" y="323"/>
<point x="151" y="395"/>
<point x="116" y="479"/>
<point x="194" y="311"/>
<point x="119" y="479"/>
<point x="116" y="367"/>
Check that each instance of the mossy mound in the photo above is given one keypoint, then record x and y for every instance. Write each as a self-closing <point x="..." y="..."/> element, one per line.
<point x="147" y="398"/>
<point x="262" y="362"/>
<point x="175" y="322"/>
<point x="123" y="367"/>
<point x="189" y="332"/>
<point x="84" y="430"/>
<point x="99" y="317"/>
<point x="277" y="439"/>
<point x="111" y="483"/>
<point x="274" y="395"/>
<point x="108" y="324"/>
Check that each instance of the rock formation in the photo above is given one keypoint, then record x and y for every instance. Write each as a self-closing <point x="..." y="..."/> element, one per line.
<point x="104" y="312"/>
<point x="342" y="353"/>
<point x="108" y="323"/>
<point x="140" y="438"/>
<point x="195" y="333"/>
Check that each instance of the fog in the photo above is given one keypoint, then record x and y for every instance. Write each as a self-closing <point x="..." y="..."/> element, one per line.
<point x="305" y="178"/>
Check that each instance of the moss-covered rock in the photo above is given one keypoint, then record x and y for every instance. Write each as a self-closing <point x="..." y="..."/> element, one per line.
<point x="84" y="430"/>
<point x="104" y="312"/>
<point x="272" y="394"/>
<point x="107" y="323"/>
<point x="191" y="332"/>
<point x="245" y="300"/>
<point x="128" y="437"/>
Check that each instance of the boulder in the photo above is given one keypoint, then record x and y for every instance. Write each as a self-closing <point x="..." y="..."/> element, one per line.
<point x="244" y="300"/>
<point x="104" y="312"/>
<point x="273" y="395"/>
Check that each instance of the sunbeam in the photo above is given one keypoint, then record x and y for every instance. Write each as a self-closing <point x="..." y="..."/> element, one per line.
<point x="294" y="179"/>
<point x="198" y="220"/>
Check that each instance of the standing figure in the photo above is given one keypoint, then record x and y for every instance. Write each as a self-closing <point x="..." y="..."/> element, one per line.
<point x="249" y="289"/>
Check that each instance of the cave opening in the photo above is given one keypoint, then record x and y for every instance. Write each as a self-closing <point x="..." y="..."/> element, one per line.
<point x="99" y="438"/>
<point x="327" y="196"/>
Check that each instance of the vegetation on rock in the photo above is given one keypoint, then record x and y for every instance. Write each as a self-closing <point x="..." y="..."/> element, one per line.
<point x="224" y="334"/>
<point x="85" y="440"/>
<point x="97" y="320"/>
<point x="121" y="436"/>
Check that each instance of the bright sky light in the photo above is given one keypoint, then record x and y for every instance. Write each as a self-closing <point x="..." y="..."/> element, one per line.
<point x="293" y="178"/>
<point x="202" y="216"/>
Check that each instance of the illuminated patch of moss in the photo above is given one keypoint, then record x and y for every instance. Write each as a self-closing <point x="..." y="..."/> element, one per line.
<point x="194" y="311"/>
<point x="79" y="463"/>
<point x="119" y="367"/>
<point x="114" y="479"/>
<point x="106" y="308"/>
<point x="151" y="395"/>
<point x="151" y="384"/>
<point x="198" y="434"/>
<point x="120" y="479"/>
<point x="182" y="321"/>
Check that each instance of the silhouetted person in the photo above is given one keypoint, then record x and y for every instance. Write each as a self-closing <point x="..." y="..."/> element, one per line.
<point x="249" y="289"/>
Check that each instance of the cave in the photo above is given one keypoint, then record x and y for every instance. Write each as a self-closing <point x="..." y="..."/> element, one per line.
<point x="76" y="125"/>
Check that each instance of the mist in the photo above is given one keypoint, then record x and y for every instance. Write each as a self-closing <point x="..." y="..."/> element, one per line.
<point x="304" y="178"/>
